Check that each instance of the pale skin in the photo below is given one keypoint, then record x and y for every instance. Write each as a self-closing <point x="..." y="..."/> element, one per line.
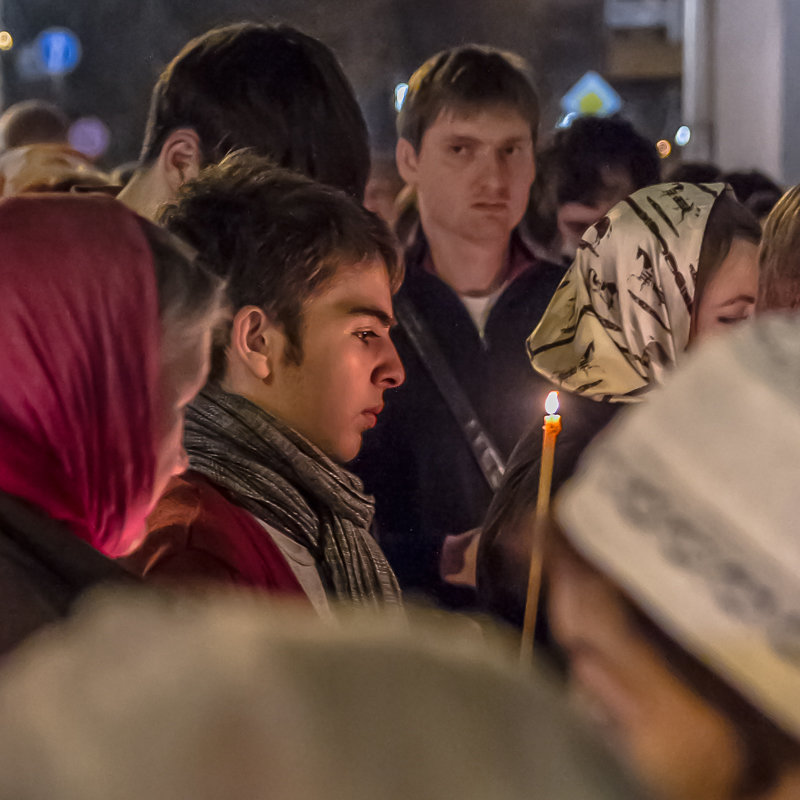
<point x="179" y="160"/>
<point x="472" y="175"/>
<point x="336" y="392"/>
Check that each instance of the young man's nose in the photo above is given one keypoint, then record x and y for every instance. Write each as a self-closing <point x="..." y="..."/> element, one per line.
<point x="391" y="372"/>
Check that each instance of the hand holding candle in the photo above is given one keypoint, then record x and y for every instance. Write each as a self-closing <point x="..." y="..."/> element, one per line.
<point x="552" y="427"/>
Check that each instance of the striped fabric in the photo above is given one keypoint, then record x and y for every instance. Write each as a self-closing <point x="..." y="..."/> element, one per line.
<point x="620" y="318"/>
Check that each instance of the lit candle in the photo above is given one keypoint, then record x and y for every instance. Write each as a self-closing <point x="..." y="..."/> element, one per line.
<point x="552" y="427"/>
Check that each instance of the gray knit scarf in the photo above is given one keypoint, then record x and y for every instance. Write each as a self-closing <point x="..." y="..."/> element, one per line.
<point x="287" y="482"/>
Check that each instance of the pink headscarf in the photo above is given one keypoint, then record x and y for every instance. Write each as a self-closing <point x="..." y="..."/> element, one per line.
<point x="79" y="364"/>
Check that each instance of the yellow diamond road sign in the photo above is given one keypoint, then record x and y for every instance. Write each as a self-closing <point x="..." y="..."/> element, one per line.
<point x="592" y="94"/>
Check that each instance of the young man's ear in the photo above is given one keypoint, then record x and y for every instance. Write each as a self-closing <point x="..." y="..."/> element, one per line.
<point x="406" y="158"/>
<point x="180" y="158"/>
<point x="253" y="345"/>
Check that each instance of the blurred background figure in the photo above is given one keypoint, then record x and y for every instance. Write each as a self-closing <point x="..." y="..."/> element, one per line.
<point x="33" y="122"/>
<point x="755" y="190"/>
<point x="694" y="172"/>
<point x="47" y="168"/>
<point x="677" y="597"/>
<point x="232" y="697"/>
<point x="383" y="187"/>
<point x="35" y="153"/>
<point x="588" y="168"/>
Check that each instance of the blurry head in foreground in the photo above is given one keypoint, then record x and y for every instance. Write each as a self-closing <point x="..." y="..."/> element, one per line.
<point x="670" y="264"/>
<point x="677" y="597"/>
<point x="269" y="88"/>
<point x="33" y="122"/>
<point x="779" y="257"/>
<point x="233" y="698"/>
<point x="106" y="322"/>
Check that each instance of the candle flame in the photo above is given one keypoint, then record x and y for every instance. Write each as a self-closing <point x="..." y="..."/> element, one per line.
<point x="551" y="404"/>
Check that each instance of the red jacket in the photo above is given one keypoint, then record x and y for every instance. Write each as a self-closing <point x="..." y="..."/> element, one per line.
<point x="196" y="534"/>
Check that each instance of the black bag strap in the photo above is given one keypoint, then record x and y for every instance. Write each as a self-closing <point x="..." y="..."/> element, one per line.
<point x="480" y="443"/>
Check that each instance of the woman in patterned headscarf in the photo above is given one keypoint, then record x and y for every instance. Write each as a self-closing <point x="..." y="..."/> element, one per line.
<point x="669" y="264"/>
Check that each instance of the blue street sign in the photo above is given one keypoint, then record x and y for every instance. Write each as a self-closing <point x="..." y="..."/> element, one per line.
<point x="591" y="95"/>
<point x="59" y="50"/>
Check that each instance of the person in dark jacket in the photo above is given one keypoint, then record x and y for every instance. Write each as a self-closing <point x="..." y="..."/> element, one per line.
<point x="669" y="265"/>
<point x="106" y="322"/>
<point x="467" y="132"/>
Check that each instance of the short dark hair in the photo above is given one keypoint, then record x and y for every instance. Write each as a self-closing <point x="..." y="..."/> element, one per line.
<point x="277" y="237"/>
<point x="467" y="79"/>
<point x="590" y="148"/>
<point x="269" y="88"/>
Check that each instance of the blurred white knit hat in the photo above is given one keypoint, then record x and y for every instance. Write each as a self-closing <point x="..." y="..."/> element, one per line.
<point x="691" y="504"/>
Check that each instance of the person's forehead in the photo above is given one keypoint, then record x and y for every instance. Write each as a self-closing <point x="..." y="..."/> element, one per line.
<point x="363" y="284"/>
<point x="482" y="123"/>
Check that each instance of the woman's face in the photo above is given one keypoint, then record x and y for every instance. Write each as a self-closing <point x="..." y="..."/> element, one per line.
<point x="183" y="373"/>
<point x="677" y="743"/>
<point x="730" y="296"/>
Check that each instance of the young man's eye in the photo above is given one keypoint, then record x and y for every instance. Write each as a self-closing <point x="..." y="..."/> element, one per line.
<point x="364" y="336"/>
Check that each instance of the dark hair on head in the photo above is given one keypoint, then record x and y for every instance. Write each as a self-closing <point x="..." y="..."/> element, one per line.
<point x="277" y="237"/>
<point x="779" y="256"/>
<point x="728" y="220"/>
<point x="269" y="88"/>
<point x="746" y="183"/>
<point x="465" y="80"/>
<point x="694" y="172"/>
<point x="587" y="155"/>
<point x="32" y="122"/>
<point x="190" y="296"/>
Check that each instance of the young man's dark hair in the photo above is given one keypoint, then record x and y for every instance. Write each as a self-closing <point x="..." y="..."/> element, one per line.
<point x="297" y="234"/>
<point x="466" y="79"/>
<point x="269" y="88"/>
<point x="591" y="147"/>
<point x="587" y="168"/>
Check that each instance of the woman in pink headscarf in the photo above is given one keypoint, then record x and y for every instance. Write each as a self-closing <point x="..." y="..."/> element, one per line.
<point x="105" y="322"/>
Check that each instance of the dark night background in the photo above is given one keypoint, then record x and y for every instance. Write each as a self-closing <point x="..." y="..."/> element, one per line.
<point x="379" y="42"/>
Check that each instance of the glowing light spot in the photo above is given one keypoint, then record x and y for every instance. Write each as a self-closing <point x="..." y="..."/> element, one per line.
<point x="6" y="40"/>
<point x="683" y="136"/>
<point x="567" y="119"/>
<point x="400" y="92"/>
<point x="551" y="404"/>
<point x="664" y="148"/>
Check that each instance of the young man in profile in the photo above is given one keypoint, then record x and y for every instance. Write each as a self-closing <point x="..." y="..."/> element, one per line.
<point x="296" y="379"/>
<point x="467" y="133"/>
<point x="268" y="88"/>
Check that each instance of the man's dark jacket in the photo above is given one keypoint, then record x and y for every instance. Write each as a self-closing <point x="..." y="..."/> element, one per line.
<point x="416" y="461"/>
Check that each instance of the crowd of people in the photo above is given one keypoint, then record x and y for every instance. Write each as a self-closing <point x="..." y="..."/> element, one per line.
<point x="269" y="460"/>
